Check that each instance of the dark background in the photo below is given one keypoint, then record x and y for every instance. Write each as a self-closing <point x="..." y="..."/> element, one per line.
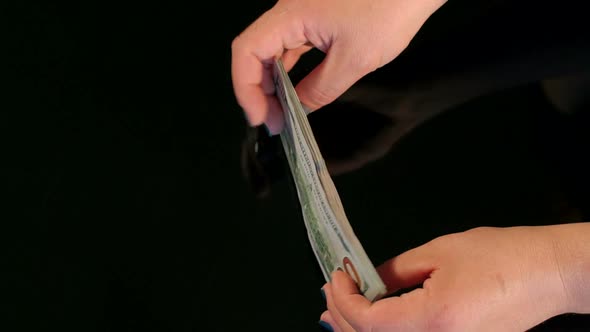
<point x="125" y="207"/>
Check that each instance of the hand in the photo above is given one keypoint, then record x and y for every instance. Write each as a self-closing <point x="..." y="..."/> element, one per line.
<point x="485" y="279"/>
<point x="358" y="37"/>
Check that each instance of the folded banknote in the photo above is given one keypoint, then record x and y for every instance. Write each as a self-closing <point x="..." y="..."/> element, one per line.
<point x="332" y="239"/>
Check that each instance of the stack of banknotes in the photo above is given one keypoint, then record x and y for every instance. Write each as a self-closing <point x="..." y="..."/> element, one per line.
<point x="333" y="241"/>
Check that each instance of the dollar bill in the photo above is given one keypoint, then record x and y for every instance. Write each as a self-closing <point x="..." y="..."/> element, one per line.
<point x="332" y="239"/>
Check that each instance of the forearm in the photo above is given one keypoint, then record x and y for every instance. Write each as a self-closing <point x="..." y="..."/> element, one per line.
<point x="572" y="253"/>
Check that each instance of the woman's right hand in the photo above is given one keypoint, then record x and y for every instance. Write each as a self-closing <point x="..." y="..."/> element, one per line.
<point x="358" y="36"/>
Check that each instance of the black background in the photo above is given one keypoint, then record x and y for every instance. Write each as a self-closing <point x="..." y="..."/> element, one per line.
<point x="125" y="207"/>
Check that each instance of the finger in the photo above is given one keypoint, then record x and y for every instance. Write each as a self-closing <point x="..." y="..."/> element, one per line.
<point x="326" y="316"/>
<point x="407" y="312"/>
<point x="340" y="323"/>
<point x="328" y="323"/>
<point x="339" y="70"/>
<point x="274" y="119"/>
<point x="408" y="269"/>
<point x="349" y="303"/>
<point x="252" y="55"/>
<point x="290" y="57"/>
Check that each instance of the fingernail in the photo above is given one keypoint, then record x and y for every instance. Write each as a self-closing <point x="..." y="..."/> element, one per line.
<point x="323" y="294"/>
<point x="325" y="326"/>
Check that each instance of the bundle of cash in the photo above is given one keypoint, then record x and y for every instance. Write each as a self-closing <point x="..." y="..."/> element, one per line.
<point x="332" y="239"/>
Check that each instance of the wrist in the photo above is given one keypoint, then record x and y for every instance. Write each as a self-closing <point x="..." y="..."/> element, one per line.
<point x="571" y="252"/>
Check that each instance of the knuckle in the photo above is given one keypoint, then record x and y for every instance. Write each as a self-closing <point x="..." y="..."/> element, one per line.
<point x="450" y="240"/>
<point x="441" y="241"/>
<point x="474" y="233"/>
<point x="480" y="229"/>
<point x="237" y="43"/>
<point x="321" y="96"/>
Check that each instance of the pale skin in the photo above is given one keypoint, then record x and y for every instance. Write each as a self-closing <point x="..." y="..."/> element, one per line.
<point x="358" y="37"/>
<point x="485" y="279"/>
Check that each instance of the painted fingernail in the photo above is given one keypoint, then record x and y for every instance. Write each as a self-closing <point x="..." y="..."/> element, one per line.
<point x="325" y="326"/>
<point x="323" y="294"/>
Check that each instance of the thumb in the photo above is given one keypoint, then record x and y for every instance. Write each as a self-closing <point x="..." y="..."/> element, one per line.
<point x="339" y="70"/>
<point x="408" y="269"/>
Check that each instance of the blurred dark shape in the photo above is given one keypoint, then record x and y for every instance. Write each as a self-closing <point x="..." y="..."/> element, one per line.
<point x="343" y="130"/>
<point x="569" y="94"/>
<point x="262" y="160"/>
<point x="376" y="113"/>
<point x="350" y="135"/>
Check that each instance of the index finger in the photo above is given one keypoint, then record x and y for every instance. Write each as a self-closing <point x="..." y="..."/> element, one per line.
<point x="403" y="313"/>
<point x="253" y="53"/>
<point x="351" y="305"/>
